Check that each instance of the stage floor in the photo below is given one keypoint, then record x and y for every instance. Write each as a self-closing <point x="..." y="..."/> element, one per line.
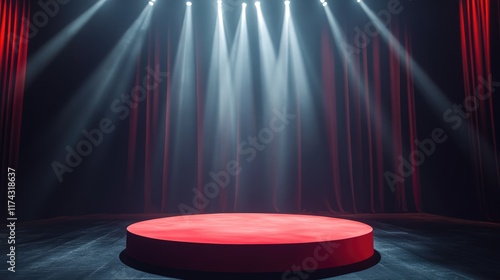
<point x="409" y="246"/>
<point x="250" y="242"/>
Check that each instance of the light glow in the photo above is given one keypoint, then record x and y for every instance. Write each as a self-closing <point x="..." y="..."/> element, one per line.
<point x="42" y="58"/>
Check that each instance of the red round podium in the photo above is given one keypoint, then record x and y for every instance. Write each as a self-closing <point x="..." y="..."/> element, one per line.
<point x="249" y="242"/>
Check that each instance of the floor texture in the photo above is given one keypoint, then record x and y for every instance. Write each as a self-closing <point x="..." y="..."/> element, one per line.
<point x="408" y="246"/>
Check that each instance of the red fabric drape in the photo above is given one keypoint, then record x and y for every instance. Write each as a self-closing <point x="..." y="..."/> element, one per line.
<point x="330" y="107"/>
<point x="362" y="115"/>
<point x="370" y="128"/>
<point x="475" y="29"/>
<point x="355" y="134"/>
<point x="14" y="29"/>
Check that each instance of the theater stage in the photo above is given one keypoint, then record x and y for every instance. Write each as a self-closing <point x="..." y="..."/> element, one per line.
<point x="412" y="246"/>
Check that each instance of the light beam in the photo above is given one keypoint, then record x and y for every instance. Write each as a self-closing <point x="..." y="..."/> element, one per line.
<point x="43" y="57"/>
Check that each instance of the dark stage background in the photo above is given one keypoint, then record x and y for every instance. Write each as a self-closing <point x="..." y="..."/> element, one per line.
<point x="331" y="157"/>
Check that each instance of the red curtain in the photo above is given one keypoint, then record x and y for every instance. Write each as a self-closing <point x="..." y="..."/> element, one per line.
<point x="14" y="29"/>
<point x="475" y="27"/>
<point x="370" y="125"/>
<point x="366" y="123"/>
<point x="357" y="124"/>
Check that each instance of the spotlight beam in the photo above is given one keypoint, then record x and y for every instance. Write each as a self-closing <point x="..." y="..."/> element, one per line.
<point x="108" y="77"/>
<point x="274" y="86"/>
<point x="431" y="92"/>
<point x="183" y="98"/>
<point x="240" y="54"/>
<point x="242" y="77"/>
<point x="354" y="73"/>
<point x="220" y="106"/>
<point x="48" y="52"/>
<point x="267" y="51"/>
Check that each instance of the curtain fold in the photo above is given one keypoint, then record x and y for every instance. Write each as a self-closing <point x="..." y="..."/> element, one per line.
<point x="475" y="30"/>
<point x="14" y="30"/>
<point x="367" y="130"/>
<point x="374" y="139"/>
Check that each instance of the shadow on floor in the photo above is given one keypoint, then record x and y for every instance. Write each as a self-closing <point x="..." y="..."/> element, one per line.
<point x="185" y="274"/>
